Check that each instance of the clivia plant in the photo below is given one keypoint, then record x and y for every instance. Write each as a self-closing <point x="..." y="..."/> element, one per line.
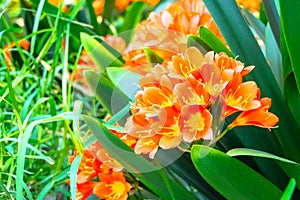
<point x="188" y="99"/>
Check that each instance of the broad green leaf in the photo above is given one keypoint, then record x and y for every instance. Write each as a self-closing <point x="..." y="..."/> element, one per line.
<point x="255" y="23"/>
<point x="286" y="61"/>
<point x="152" y="57"/>
<point x="290" y="17"/>
<point x="213" y="41"/>
<point x="133" y="16"/>
<point x="99" y="54"/>
<point x="127" y="81"/>
<point x="273" y="18"/>
<point x="288" y="192"/>
<point x="230" y="177"/>
<point x="142" y="169"/>
<point x="292" y="96"/>
<point x="274" y="56"/>
<point x="291" y="168"/>
<point x="110" y="97"/>
<point x="195" y="41"/>
<point x="184" y="168"/>
<point x="233" y="26"/>
<point x="253" y="152"/>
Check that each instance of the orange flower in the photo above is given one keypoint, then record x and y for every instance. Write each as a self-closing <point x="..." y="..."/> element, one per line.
<point x="98" y="6"/>
<point x="258" y="117"/>
<point x="165" y="32"/>
<point x="176" y="100"/>
<point x="7" y="55"/>
<point x="195" y="122"/>
<point x="89" y="167"/>
<point x="112" y="187"/>
<point x="242" y="97"/>
<point x="252" y="5"/>
<point x="84" y="190"/>
<point x="122" y="4"/>
<point x="170" y="109"/>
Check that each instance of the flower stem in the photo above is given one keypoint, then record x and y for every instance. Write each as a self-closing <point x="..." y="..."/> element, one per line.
<point x="228" y="128"/>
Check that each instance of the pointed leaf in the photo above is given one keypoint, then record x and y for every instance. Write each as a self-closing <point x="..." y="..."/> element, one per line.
<point x="230" y="177"/>
<point x="133" y="16"/>
<point x="127" y="81"/>
<point x="255" y="23"/>
<point x="290" y="27"/>
<point x="291" y="168"/>
<point x="274" y="56"/>
<point x="195" y="41"/>
<point x="288" y="192"/>
<point x="292" y="96"/>
<point x="110" y="97"/>
<point x="273" y="17"/>
<point x="213" y="41"/>
<point x="152" y="57"/>
<point x="99" y="54"/>
<point x="142" y="169"/>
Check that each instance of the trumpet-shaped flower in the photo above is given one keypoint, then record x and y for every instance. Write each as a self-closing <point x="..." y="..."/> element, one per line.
<point x="260" y="116"/>
<point x="112" y="187"/>
<point x="176" y="100"/>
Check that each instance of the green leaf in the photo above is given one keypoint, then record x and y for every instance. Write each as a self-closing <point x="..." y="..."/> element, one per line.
<point x="127" y="81"/>
<point x="213" y="41"/>
<point x="110" y="97"/>
<point x="93" y="16"/>
<point x="152" y="57"/>
<point x="253" y="152"/>
<point x="292" y="96"/>
<point x="288" y="192"/>
<point x="273" y="18"/>
<point x="142" y="169"/>
<point x="291" y="168"/>
<point x="274" y="56"/>
<point x="255" y="23"/>
<point x="195" y="41"/>
<point x="99" y="54"/>
<point x="73" y="175"/>
<point x="178" y="162"/>
<point x="23" y="146"/>
<point x="230" y="177"/>
<point x="233" y="26"/>
<point x="290" y="17"/>
<point x="133" y="16"/>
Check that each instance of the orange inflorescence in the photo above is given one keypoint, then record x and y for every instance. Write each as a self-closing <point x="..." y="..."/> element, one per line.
<point x="122" y="4"/>
<point x="176" y="98"/>
<point x="112" y="186"/>
<point x="165" y="32"/>
<point x="97" y="163"/>
<point x="252" y="5"/>
<point x="7" y="54"/>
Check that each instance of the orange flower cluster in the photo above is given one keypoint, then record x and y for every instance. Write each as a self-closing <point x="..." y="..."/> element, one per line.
<point x="122" y="4"/>
<point x="176" y="99"/>
<point x="165" y="32"/>
<point x="112" y="185"/>
<point x="100" y="174"/>
<point x="252" y="5"/>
